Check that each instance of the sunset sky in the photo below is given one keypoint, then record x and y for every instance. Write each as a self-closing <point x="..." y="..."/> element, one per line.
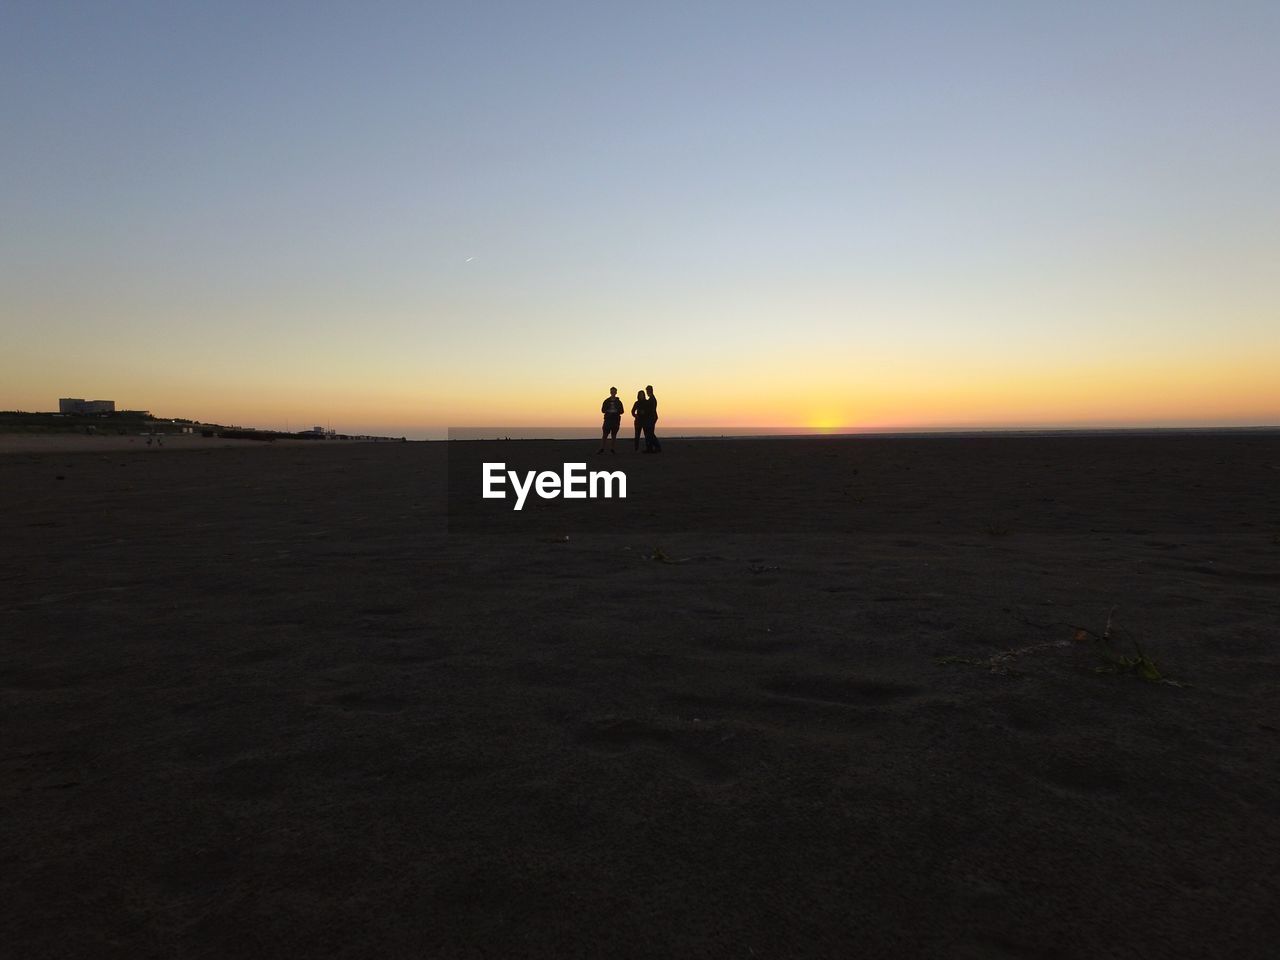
<point x="403" y="216"/>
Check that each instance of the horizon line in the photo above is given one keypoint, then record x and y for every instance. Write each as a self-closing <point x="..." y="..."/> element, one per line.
<point x="694" y="433"/>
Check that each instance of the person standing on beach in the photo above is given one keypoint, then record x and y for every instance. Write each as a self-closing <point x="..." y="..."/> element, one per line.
<point x="640" y="414"/>
<point x="612" y="409"/>
<point x="650" y="436"/>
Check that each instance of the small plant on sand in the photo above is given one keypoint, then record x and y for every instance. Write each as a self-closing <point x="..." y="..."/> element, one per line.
<point x="662" y="557"/>
<point x="1139" y="664"/>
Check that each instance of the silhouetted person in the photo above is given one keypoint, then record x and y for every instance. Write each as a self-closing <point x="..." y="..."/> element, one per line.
<point x="612" y="409"/>
<point x="650" y="436"/>
<point x="640" y="414"/>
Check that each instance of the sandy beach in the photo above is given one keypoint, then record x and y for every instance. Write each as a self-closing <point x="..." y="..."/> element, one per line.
<point x="257" y="701"/>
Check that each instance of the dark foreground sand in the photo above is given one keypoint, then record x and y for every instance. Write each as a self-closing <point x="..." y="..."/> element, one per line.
<point x="257" y="703"/>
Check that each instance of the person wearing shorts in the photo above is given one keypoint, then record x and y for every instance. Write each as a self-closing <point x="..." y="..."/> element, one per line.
<point x="612" y="410"/>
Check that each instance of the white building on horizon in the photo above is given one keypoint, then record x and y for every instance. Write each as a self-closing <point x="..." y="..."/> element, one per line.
<point x="74" y="405"/>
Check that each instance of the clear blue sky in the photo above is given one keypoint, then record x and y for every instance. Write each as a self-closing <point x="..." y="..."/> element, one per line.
<point x="865" y="214"/>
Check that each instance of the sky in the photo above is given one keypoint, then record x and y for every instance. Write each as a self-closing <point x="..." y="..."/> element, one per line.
<point x="400" y="217"/>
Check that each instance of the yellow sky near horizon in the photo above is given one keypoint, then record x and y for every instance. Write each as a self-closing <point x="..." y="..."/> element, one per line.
<point x="823" y="391"/>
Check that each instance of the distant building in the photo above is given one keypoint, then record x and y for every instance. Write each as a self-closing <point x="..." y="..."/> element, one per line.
<point x="69" y="405"/>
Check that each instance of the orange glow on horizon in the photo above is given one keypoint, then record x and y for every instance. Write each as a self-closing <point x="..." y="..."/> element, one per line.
<point x="824" y="394"/>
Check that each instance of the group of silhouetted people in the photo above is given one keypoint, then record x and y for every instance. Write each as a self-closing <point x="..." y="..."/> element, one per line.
<point x="645" y="414"/>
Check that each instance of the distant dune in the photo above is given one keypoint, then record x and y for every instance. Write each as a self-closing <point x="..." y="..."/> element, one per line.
<point x="79" y="443"/>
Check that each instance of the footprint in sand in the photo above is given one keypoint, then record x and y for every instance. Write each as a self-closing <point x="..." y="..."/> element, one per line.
<point x="691" y="752"/>
<point x="844" y="691"/>
<point x="360" y="701"/>
<point x="747" y="642"/>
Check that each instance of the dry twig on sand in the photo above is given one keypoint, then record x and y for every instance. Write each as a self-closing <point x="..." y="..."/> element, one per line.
<point x="661" y="557"/>
<point x="1003" y="662"/>
<point x="1139" y="664"/>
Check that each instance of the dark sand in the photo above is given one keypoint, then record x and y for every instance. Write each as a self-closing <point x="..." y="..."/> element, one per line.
<point x="257" y="703"/>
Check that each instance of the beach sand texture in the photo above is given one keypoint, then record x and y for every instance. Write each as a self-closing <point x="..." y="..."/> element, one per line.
<point x="256" y="702"/>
